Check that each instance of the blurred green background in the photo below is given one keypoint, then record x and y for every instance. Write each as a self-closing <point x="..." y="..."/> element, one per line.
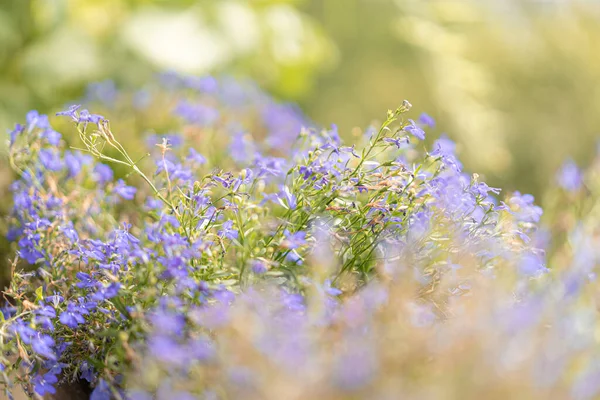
<point x="515" y="83"/>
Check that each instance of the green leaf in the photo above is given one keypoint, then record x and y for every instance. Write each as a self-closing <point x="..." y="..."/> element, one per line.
<point x="116" y="301"/>
<point x="109" y="333"/>
<point x="39" y="293"/>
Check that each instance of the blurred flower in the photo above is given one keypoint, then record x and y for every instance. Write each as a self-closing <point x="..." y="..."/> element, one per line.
<point x="569" y="177"/>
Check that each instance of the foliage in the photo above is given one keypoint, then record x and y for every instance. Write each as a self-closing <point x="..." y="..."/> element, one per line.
<point x="129" y="40"/>
<point x="319" y="255"/>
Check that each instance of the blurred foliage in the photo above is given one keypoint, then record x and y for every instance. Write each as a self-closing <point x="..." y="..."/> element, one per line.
<point x="514" y="82"/>
<point x="49" y="50"/>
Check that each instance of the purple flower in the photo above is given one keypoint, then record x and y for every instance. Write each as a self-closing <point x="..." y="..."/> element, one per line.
<point x="36" y="120"/>
<point x="50" y="159"/>
<point x="105" y="92"/>
<point x="71" y="112"/>
<point x="42" y="345"/>
<point x="73" y="316"/>
<point x="228" y="231"/>
<point x="167" y="322"/>
<point x="126" y="192"/>
<point x="87" y="372"/>
<point x="569" y="177"/>
<point x="259" y="267"/>
<point x="51" y="136"/>
<point x="44" y="384"/>
<point x="28" y="248"/>
<point x="269" y="166"/>
<point x="289" y="198"/>
<point x="16" y="132"/>
<point x="74" y="162"/>
<point x="398" y="142"/>
<point x="85" y="116"/>
<point x="197" y="114"/>
<point x="532" y="265"/>
<point x="443" y="146"/>
<point x="201" y="349"/>
<point x="108" y="292"/>
<point x="426" y="119"/>
<point x="168" y="350"/>
<point x="415" y="130"/>
<point x="175" y="171"/>
<point x="44" y="316"/>
<point x="85" y="280"/>
<point x="294" y="240"/>
<point x="80" y="116"/>
<point x="242" y="148"/>
<point x="330" y="290"/>
<point x="203" y="84"/>
<point x="524" y="209"/>
<point x="195" y="157"/>
<point x="102" y="173"/>
<point x="70" y="232"/>
<point x="101" y="391"/>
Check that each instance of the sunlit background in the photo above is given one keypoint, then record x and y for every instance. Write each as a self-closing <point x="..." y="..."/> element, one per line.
<point x="515" y="83"/>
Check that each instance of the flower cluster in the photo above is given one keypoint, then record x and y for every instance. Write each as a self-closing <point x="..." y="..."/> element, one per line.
<point x="252" y="254"/>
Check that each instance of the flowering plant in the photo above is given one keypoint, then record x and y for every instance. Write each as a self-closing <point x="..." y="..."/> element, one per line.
<point x="255" y="255"/>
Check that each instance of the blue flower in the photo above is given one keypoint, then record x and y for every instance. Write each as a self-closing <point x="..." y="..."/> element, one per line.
<point x="28" y="248"/>
<point x="44" y="384"/>
<point x="73" y="316"/>
<point x="415" y="130"/>
<point x="166" y="349"/>
<point x="102" y="173"/>
<point x="16" y="132"/>
<point x="42" y="344"/>
<point x="228" y="231"/>
<point x="398" y="142"/>
<point x="85" y="280"/>
<point x="85" y="116"/>
<point x="80" y="116"/>
<point x="50" y="159"/>
<point x="71" y="112"/>
<point x="524" y="208"/>
<point x="532" y="265"/>
<point x="195" y="157"/>
<point x="203" y="84"/>
<point x="197" y="114"/>
<point x="44" y="316"/>
<point x="107" y="292"/>
<point x="70" y="232"/>
<point x="104" y="92"/>
<point x="101" y="391"/>
<point x="426" y="119"/>
<point x="294" y="240"/>
<point x="259" y="267"/>
<point x="75" y="161"/>
<point x="289" y="198"/>
<point x="87" y="372"/>
<point x="569" y="177"/>
<point x="126" y="192"/>
<point x="330" y="290"/>
<point x="51" y="136"/>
